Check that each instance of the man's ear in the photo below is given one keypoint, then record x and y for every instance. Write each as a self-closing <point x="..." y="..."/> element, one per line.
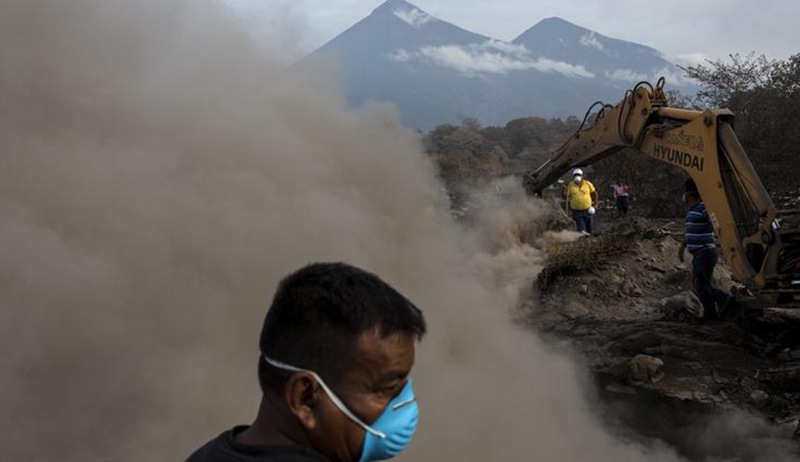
<point x="303" y="394"/>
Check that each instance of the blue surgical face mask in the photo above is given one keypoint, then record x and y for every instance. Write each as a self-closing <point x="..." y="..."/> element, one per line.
<point x="390" y="433"/>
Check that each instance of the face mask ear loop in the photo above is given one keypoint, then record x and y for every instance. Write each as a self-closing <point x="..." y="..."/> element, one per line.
<point x="330" y="393"/>
<point x="404" y="403"/>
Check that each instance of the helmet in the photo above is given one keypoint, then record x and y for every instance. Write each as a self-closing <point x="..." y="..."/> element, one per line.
<point x="577" y="171"/>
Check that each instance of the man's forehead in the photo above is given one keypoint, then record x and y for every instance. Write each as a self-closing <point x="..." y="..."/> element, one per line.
<point x="376" y="354"/>
<point x="372" y="343"/>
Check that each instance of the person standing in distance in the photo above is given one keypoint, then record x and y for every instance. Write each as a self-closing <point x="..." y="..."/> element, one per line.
<point x="337" y="348"/>
<point x="621" y="197"/>
<point x="582" y="201"/>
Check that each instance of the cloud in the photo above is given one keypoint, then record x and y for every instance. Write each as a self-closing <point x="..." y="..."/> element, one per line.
<point x="571" y="70"/>
<point x="626" y="75"/>
<point x="673" y="75"/>
<point x="490" y="57"/>
<point x="590" y="41"/>
<point x="400" y="55"/>
<point x="413" y="17"/>
<point x="507" y="47"/>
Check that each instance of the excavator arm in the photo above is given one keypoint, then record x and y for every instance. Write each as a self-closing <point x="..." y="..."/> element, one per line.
<point x="762" y="251"/>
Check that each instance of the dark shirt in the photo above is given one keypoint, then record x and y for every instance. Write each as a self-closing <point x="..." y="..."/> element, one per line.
<point x="224" y="448"/>
<point x="699" y="230"/>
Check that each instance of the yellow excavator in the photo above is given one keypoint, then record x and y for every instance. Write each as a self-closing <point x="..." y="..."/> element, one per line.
<point x="759" y="242"/>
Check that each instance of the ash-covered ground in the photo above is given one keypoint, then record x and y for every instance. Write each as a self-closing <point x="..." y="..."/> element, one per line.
<point x="623" y="301"/>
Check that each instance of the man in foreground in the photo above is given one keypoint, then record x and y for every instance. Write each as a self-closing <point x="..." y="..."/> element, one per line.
<point x="582" y="201"/>
<point x="699" y="239"/>
<point x="337" y="347"/>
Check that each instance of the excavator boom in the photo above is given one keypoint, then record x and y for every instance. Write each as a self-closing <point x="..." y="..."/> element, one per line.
<point x="761" y="249"/>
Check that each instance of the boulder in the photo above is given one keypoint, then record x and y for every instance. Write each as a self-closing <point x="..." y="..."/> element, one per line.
<point x="645" y="369"/>
<point x="684" y="305"/>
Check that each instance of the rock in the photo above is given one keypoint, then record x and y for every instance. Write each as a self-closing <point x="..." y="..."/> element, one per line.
<point x="681" y="306"/>
<point x="717" y="377"/>
<point x="702" y="397"/>
<point x="694" y="365"/>
<point x="654" y="267"/>
<point x="574" y="310"/>
<point x="759" y="396"/>
<point x="584" y="289"/>
<point x="629" y="289"/>
<point x="645" y="369"/>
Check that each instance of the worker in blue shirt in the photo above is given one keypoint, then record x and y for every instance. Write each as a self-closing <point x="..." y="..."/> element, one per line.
<point x="699" y="240"/>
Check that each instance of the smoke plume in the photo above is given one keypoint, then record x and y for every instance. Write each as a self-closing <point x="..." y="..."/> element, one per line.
<point x="159" y="175"/>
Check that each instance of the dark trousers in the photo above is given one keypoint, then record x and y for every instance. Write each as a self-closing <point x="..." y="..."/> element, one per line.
<point x="622" y="205"/>
<point x="703" y="263"/>
<point x="583" y="221"/>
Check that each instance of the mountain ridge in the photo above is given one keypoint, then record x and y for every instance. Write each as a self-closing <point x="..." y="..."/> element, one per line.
<point x="436" y="72"/>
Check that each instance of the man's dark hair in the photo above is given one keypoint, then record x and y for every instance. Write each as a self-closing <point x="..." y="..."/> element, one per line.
<point x="318" y="313"/>
<point x="690" y="187"/>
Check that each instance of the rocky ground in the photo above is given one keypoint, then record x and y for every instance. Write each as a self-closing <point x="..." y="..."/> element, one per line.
<point x="623" y="300"/>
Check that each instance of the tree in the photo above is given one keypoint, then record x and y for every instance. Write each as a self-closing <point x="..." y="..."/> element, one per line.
<point x="471" y="123"/>
<point x="765" y="97"/>
<point x="786" y="76"/>
<point x="722" y="80"/>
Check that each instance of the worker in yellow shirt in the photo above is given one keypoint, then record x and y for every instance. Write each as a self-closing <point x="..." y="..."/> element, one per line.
<point x="582" y="200"/>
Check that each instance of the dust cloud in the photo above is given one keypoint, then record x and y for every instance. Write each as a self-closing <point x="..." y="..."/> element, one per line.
<point x="159" y="175"/>
<point x="509" y="235"/>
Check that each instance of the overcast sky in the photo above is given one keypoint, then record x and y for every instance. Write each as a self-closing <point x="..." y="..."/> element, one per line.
<point x="678" y="28"/>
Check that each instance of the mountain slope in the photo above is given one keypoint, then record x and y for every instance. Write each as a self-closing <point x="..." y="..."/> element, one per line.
<point x="436" y="72"/>
<point x="603" y="56"/>
<point x="398" y="24"/>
